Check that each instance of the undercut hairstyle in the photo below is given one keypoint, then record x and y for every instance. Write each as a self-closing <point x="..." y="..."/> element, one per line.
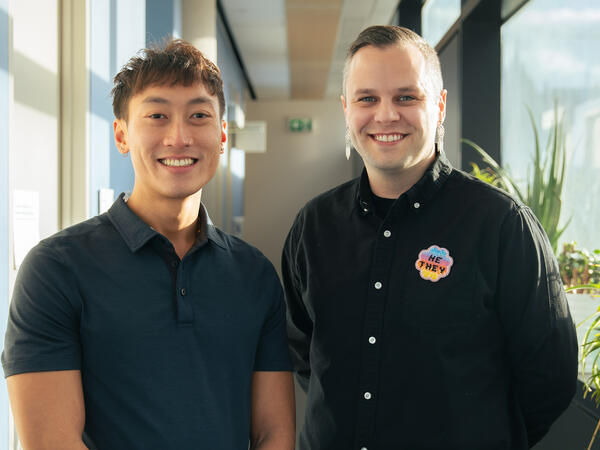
<point x="176" y="62"/>
<point x="383" y="36"/>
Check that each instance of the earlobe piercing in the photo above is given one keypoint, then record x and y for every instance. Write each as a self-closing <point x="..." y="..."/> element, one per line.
<point x="348" y="144"/>
<point x="439" y="137"/>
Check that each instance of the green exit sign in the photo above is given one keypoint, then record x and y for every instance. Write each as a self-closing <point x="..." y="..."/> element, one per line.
<point x="300" y="124"/>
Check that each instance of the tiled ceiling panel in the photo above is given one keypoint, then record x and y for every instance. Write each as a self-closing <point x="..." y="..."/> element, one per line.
<point x="296" y="48"/>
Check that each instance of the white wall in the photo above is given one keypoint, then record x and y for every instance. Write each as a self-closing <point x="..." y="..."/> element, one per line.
<point x="295" y="168"/>
<point x="33" y="129"/>
<point x="4" y="105"/>
<point x="34" y="111"/>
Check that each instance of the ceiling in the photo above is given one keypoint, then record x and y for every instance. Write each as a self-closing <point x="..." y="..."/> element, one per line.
<point x="295" y="49"/>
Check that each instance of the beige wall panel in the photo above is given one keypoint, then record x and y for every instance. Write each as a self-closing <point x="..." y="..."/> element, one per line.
<point x="74" y="107"/>
<point x="295" y="168"/>
<point x="314" y="4"/>
<point x="199" y="25"/>
<point x="308" y="80"/>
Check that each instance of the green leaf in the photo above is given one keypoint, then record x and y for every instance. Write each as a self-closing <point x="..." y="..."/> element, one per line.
<point x="544" y="188"/>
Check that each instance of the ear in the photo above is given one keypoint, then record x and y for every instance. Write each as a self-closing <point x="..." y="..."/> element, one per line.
<point x="120" y="130"/>
<point x="344" y="106"/>
<point x="442" y="106"/>
<point x="223" y="135"/>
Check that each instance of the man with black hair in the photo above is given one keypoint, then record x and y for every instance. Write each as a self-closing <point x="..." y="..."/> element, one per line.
<point x="147" y="327"/>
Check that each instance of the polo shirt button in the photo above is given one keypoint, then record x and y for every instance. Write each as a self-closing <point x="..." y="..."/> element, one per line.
<point x="367" y="396"/>
<point x="363" y="448"/>
<point x="174" y="263"/>
<point x="387" y="233"/>
<point x="378" y="285"/>
<point x="183" y="292"/>
<point x="417" y="205"/>
<point x="372" y="340"/>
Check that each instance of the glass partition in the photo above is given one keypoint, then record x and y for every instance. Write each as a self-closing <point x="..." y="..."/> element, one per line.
<point x="437" y="17"/>
<point x="550" y="57"/>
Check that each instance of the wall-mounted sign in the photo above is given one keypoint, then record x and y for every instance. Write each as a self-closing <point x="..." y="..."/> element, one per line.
<point x="26" y="223"/>
<point x="300" y="124"/>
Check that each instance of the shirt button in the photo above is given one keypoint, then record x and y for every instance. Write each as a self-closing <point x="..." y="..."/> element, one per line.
<point x="363" y="448"/>
<point x="387" y="233"/>
<point x="174" y="263"/>
<point x="417" y="205"/>
<point x="182" y="292"/>
<point x="372" y="340"/>
<point x="367" y="396"/>
<point x="378" y="285"/>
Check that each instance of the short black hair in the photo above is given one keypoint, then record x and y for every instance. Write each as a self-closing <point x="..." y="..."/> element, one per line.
<point x="176" y="62"/>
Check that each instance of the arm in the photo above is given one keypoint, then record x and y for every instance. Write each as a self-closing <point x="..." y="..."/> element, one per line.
<point x="42" y="354"/>
<point x="540" y="335"/>
<point x="273" y="415"/>
<point x="299" y="323"/>
<point x="48" y="409"/>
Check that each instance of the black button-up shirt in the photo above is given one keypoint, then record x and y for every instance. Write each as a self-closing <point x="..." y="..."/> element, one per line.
<point x="443" y="325"/>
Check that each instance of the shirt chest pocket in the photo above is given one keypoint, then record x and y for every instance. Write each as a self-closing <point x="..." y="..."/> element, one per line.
<point x="449" y="302"/>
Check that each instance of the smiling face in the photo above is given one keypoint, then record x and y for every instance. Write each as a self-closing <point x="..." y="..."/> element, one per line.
<point x="390" y="111"/>
<point x="174" y="135"/>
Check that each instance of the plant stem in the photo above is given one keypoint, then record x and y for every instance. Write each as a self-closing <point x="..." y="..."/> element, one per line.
<point x="594" y="436"/>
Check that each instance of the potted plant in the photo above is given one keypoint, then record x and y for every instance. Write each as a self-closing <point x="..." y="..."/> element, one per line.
<point x="590" y="349"/>
<point x="579" y="268"/>
<point x="544" y="189"/>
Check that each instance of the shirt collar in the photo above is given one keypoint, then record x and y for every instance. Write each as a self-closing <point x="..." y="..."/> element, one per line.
<point x="136" y="233"/>
<point x="418" y="195"/>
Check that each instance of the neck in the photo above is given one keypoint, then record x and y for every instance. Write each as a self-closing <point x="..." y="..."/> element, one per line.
<point x="394" y="183"/>
<point x="176" y="219"/>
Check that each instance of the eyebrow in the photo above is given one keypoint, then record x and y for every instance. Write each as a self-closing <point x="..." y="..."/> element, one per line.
<point x="401" y="90"/>
<point x="163" y="101"/>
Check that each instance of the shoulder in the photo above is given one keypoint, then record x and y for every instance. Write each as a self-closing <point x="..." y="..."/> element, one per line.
<point x="496" y="209"/>
<point x="71" y="240"/>
<point x="341" y="196"/>
<point x="239" y="250"/>
<point x="336" y="202"/>
<point x="471" y="190"/>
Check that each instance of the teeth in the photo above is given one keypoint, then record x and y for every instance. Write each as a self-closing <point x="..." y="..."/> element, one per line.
<point x="387" y="137"/>
<point x="177" y="162"/>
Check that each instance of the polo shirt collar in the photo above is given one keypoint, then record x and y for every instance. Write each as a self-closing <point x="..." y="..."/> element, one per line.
<point x="213" y="234"/>
<point x="136" y="233"/>
<point x="419" y="194"/>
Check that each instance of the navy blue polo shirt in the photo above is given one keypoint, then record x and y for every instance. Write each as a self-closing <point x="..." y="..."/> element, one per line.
<point x="166" y="347"/>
